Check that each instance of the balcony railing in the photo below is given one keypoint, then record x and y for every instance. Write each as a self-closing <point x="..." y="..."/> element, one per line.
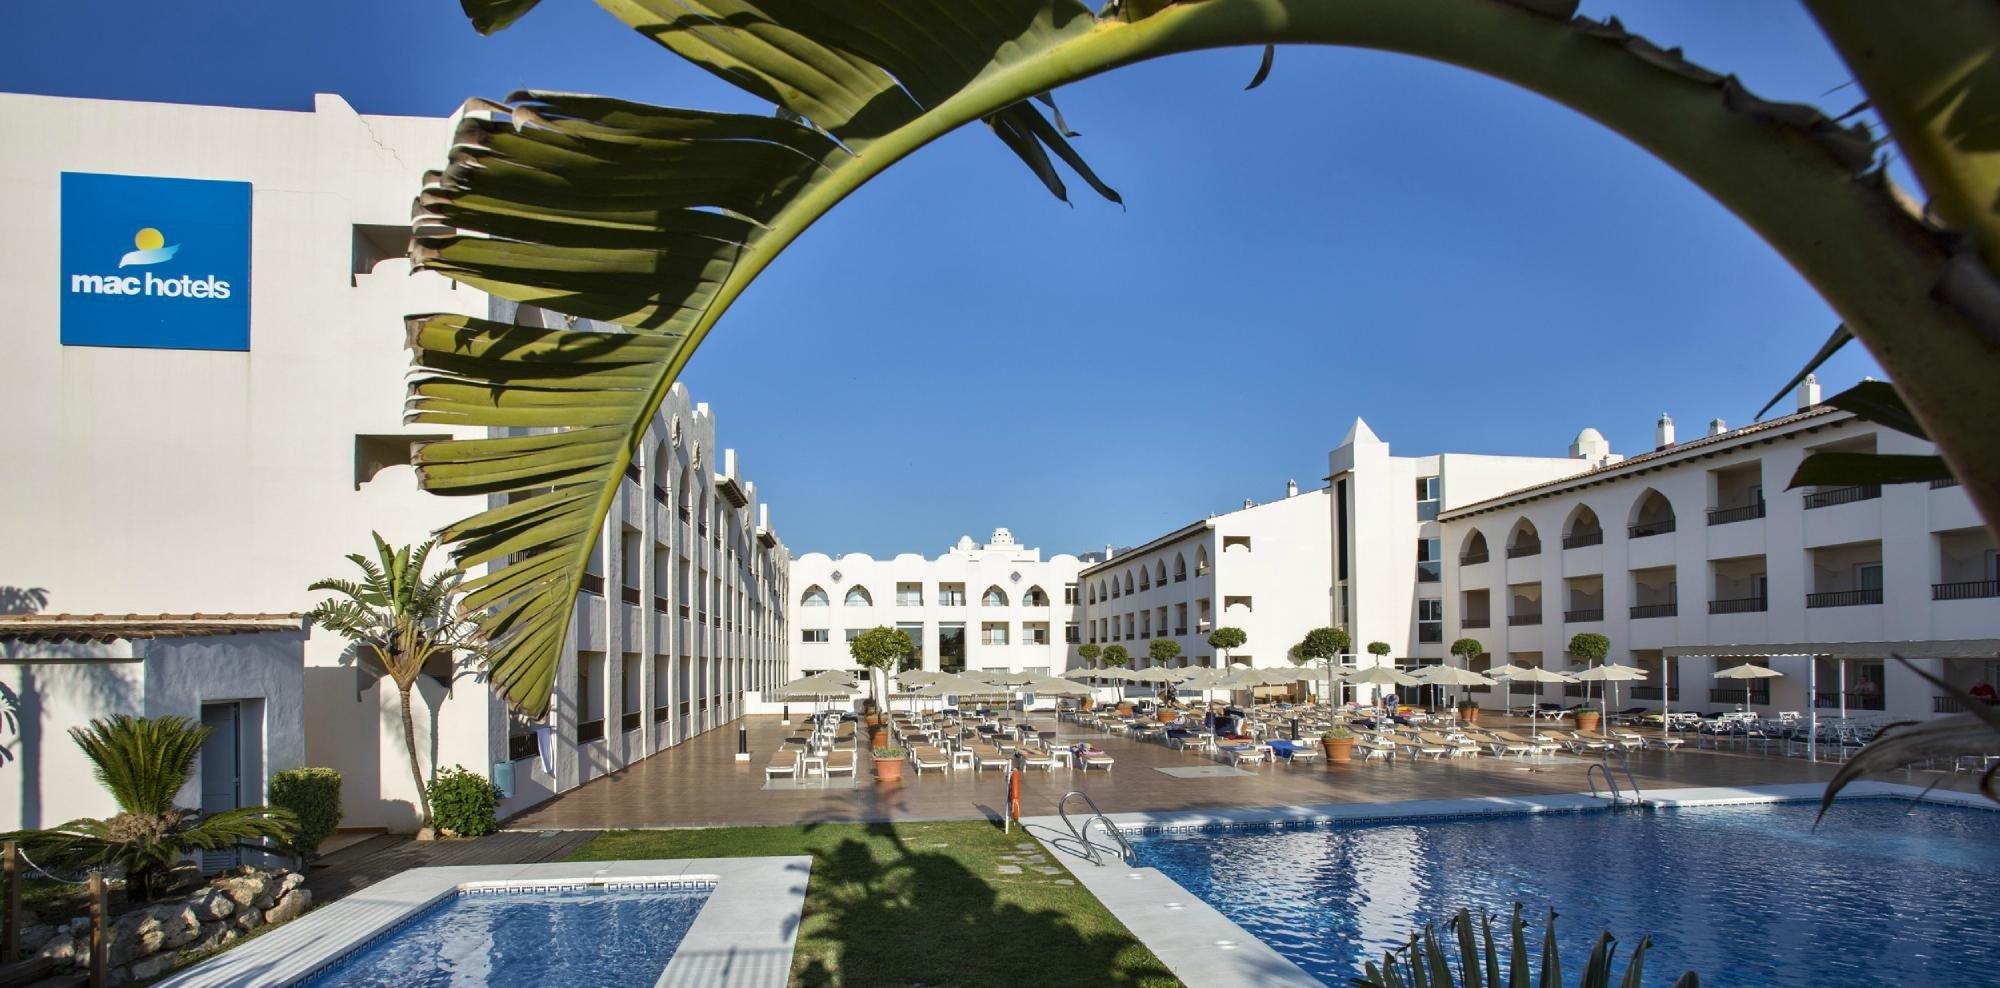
<point x="1946" y="705"/>
<point x="660" y="713"/>
<point x="660" y="604"/>
<point x="1182" y="630"/>
<point x="1655" y="692"/>
<point x="1649" y="528"/>
<point x="1584" y="614"/>
<point x="1938" y="485"/>
<point x="632" y="473"/>
<point x="1517" y="620"/>
<point x="1855" y="701"/>
<point x="1744" y="512"/>
<point x="1581" y="539"/>
<point x="1965" y="590"/>
<point x="1482" y="621"/>
<point x="686" y="515"/>
<point x="661" y="495"/>
<point x="592" y="583"/>
<point x="1739" y="605"/>
<point x="521" y="746"/>
<point x="1734" y="694"/>
<point x="1655" y="610"/>
<point x="629" y="722"/>
<point x="590" y="730"/>
<point x="1472" y="558"/>
<point x="1844" y="598"/>
<point x="1842" y="495"/>
<point x="629" y="595"/>
<point x="1524" y="549"/>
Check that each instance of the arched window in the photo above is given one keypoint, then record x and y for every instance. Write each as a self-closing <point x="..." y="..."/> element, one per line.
<point x="993" y="597"/>
<point x="857" y="596"/>
<point x="1201" y="560"/>
<point x="1145" y="578"/>
<point x="1160" y="576"/>
<point x="1100" y="590"/>
<point x="1035" y="597"/>
<point x="1128" y="581"/>
<point x="1474" y="549"/>
<point x="1524" y="540"/>
<point x="813" y="597"/>
<point x="1581" y="528"/>
<point x="1090" y="593"/>
<point x="1652" y="515"/>
<point x="1180" y="567"/>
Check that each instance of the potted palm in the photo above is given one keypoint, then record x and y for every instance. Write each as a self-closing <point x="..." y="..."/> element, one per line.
<point x="1338" y="743"/>
<point x="1588" y="647"/>
<point x="880" y="649"/>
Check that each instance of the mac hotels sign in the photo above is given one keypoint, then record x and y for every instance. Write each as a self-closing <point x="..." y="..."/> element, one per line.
<point x="155" y="262"/>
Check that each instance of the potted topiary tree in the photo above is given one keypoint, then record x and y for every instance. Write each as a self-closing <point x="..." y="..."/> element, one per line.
<point x="1338" y="743"/>
<point x="1115" y="657"/>
<point x="1089" y="651"/>
<point x="1380" y="650"/>
<point x="1588" y="647"/>
<point x="1324" y="646"/>
<point x="1224" y="639"/>
<point x="1163" y="651"/>
<point x="1468" y="649"/>
<point x="880" y="649"/>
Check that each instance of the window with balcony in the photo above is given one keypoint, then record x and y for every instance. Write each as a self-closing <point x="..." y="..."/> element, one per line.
<point x="1740" y="586"/>
<point x="1473" y="551"/>
<point x="1582" y="529"/>
<point x="813" y="597"/>
<point x="1968" y="567"/>
<point x="993" y="597"/>
<point x="1430" y="620"/>
<point x="1475" y="609"/>
<point x="1586" y="599"/>
<point x="993" y="633"/>
<point x="1652" y="515"/>
<point x="1430" y="560"/>
<point x="909" y="595"/>
<point x="1428" y="499"/>
<point x="1655" y="593"/>
<point x="1737" y="493"/>
<point x="1846" y="575"/>
<point x="1145" y="578"/>
<point x="1180" y="567"/>
<point x="590" y="696"/>
<point x="1236" y="542"/>
<point x="1827" y="497"/>
<point x="951" y="595"/>
<point x="1035" y="633"/>
<point x="1524" y="541"/>
<point x="1035" y="597"/>
<point x="858" y="596"/>
<point x="1201" y="560"/>
<point x="1524" y="604"/>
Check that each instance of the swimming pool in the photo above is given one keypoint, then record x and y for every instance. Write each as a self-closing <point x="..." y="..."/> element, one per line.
<point x="582" y="936"/>
<point x="1748" y="895"/>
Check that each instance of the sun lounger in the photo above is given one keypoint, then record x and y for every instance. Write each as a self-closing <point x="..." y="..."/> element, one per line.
<point x="1240" y="753"/>
<point x="1418" y="747"/>
<point x="1458" y="749"/>
<point x="1577" y="742"/>
<point x="1539" y="744"/>
<point x="1498" y="745"/>
<point x="1037" y="758"/>
<point x="1661" y="742"/>
<point x="839" y="762"/>
<point x="989" y="757"/>
<point x="1088" y="758"/>
<point x="929" y="757"/>
<point x="783" y="763"/>
<point x="1371" y="748"/>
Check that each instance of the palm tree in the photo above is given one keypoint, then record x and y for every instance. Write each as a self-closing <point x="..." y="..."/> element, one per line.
<point x="534" y="204"/>
<point x="403" y="620"/>
<point x="143" y="763"/>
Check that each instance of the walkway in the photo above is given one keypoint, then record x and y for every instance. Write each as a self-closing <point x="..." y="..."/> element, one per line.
<point x="360" y="865"/>
<point x="699" y="784"/>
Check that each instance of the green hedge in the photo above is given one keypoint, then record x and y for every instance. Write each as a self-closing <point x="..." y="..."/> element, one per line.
<point x="314" y="795"/>
<point x="463" y="802"/>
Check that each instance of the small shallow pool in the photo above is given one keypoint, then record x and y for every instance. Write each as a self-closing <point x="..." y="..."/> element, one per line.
<point x="573" y="937"/>
<point x="1748" y="896"/>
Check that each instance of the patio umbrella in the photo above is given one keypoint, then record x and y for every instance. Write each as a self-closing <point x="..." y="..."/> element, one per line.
<point x="1442" y="675"/>
<point x="1747" y="673"/>
<point x="1609" y="672"/>
<point x="817" y="686"/>
<point x="1381" y="676"/>
<point x="1532" y="674"/>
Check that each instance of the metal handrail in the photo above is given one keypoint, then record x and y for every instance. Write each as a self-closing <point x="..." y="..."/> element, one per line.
<point x="1609" y="782"/>
<point x="1062" y="809"/>
<point x="1125" y="853"/>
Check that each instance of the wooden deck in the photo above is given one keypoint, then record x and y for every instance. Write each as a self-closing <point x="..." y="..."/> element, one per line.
<point x="360" y="865"/>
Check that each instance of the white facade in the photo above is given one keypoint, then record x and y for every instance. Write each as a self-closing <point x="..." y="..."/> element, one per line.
<point x="1012" y="609"/>
<point x="182" y="480"/>
<point x="1262" y="568"/>
<point x="1697" y="548"/>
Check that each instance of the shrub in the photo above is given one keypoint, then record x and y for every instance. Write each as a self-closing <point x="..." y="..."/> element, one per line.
<point x="463" y="802"/>
<point x="313" y="795"/>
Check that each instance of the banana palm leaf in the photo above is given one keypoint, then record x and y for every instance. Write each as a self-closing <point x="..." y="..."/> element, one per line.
<point x="657" y="218"/>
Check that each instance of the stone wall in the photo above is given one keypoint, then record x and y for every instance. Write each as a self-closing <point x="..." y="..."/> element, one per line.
<point x="146" y="941"/>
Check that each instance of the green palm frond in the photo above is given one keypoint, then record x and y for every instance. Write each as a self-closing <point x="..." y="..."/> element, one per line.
<point x="658" y="218"/>
<point x="143" y="762"/>
<point x="243" y="825"/>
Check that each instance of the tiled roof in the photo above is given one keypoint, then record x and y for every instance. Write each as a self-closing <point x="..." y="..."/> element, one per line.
<point x="1640" y="463"/>
<point x="109" y="627"/>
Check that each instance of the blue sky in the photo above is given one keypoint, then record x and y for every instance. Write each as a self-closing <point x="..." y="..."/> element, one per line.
<point x="1463" y="264"/>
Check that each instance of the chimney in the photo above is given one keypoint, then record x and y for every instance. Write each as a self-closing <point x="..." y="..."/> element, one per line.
<point x="1249" y="502"/>
<point x="1107" y="550"/>
<point x="1291" y="488"/>
<point x="1663" y="432"/>
<point x="1808" y="392"/>
<point x="1717" y="427"/>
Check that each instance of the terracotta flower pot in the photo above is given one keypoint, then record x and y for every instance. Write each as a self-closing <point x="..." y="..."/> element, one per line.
<point x="878" y="738"/>
<point x="1125" y="709"/>
<point x="888" y="770"/>
<point x="1338" y="749"/>
<point x="1586" y="720"/>
<point x="1469" y="715"/>
<point x="1168" y="716"/>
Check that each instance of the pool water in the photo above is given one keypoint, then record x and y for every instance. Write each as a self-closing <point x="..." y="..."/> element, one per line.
<point x="604" y="936"/>
<point x="1881" y="894"/>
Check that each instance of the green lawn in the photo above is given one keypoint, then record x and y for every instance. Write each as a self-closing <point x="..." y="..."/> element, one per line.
<point x="922" y="904"/>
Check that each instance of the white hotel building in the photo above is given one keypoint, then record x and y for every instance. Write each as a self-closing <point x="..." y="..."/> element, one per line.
<point x="223" y="462"/>
<point x="983" y="608"/>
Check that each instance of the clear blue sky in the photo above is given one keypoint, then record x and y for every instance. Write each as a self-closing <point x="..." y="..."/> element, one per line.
<point x="1463" y="264"/>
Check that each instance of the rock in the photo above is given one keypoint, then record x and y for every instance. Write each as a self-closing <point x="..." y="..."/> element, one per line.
<point x="247" y="919"/>
<point x="290" y="907"/>
<point x="211" y="904"/>
<point x="291" y="881"/>
<point x="63" y="949"/>
<point x="33" y="937"/>
<point x="241" y="889"/>
<point x="213" y="935"/>
<point x="150" y="967"/>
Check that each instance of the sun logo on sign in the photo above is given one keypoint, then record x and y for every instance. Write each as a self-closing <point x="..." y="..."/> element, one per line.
<point x="152" y="246"/>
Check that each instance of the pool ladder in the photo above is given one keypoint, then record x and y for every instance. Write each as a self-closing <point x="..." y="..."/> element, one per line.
<point x="1092" y="851"/>
<point x="1604" y="766"/>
